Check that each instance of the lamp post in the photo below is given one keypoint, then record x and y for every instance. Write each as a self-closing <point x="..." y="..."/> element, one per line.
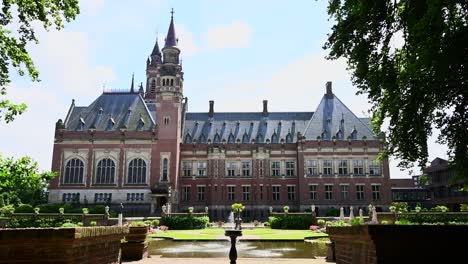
<point x="169" y="192"/>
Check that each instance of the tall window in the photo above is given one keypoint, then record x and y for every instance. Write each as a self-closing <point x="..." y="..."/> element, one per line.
<point x="246" y="168"/>
<point x="313" y="192"/>
<point x="186" y="193"/>
<point x="358" y="166"/>
<point x="201" y="193"/>
<point x="261" y="192"/>
<point x="231" y="169"/>
<point x="343" y="167"/>
<point x="360" y="192"/>
<point x="275" y="190"/>
<point x="105" y="172"/>
<point x="375" y="192"/>
<point x="165" y="170"/>
<point x="136" y="171"/>
<point x="231" y="193"/>
<point x="290" y="168"/>
<point x="187" y="168"/>
<point x="344" y="190"/>
<point x="74" y="170"/>
<point x="328" y="192"/>
<point x="374" y="168"/>
<point x="261" y="168"/>
<point x="312" y="167"/>
<point x="275" y="168"/>
<point x="291" y="193"/>
<point x="245" y="193"/>
<point x="201" y="166"/>
<point x="327" y="167"/>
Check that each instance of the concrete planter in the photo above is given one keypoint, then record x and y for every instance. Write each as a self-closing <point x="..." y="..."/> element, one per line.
<point x="61" y="245"/>
<point x="368" y="244"/>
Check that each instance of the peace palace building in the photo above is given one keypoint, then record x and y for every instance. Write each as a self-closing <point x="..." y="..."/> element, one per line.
<point x="142" y="148"/>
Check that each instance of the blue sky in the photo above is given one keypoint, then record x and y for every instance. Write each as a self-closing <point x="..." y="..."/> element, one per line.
<point x="236" y="53"/>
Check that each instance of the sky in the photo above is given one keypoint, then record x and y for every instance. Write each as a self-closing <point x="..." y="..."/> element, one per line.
<point x="236" y="53"/>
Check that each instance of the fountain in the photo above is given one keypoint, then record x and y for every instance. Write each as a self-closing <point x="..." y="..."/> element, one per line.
<point x="231" y="218"/>
<point x="236" y="232"/>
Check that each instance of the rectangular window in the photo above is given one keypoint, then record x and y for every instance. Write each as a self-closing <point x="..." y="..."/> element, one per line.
<point x="327" y="167"/>
<point x="246" y="168"/>
<point x="261" y="192"/>
<point x="375" y="192"/>
<point x="275" y="168"/>
<point x="291" y="193"/>
<point x="187" y="168"/>
<point x="231" y="169"/>
<point x="313" y="192"/>
<point x="358" y="167"/>
<point x="290" y="168"/>
<point x="261" y="168"/>
<point x="312" y="167"/>
<point x="343" y="167"/>
<point x="245" y="193"/>
<point x="201" y="193"/>
<point x="275" y="190"/>
<point x="360" y="192"/>
<point x="135" y="196"/>
<point x="374" y="168"/>
<point x="231" y="193"/>
<point x="71" y="197"/>
<point x="328" y="192"/>
<point x="201" y="167"/>
<point x="102" y="197"/>
<point x="344" y="189"/>
<point x="186" y="193"/>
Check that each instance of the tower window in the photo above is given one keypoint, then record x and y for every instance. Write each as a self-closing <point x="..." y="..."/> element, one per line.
<point x="172" y="82"/>
<point x="165" y="170"/>
<point x="166" y="120"/>
<point x="153" y="86"/>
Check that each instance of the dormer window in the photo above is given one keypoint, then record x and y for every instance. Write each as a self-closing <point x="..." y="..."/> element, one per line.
<point x="245" y="138"/>
<point x="289" y="138"/>
<point x="110" y="123"/>
<point x="141" y="123"/>
<point x="231" y="138"/>
<point x="354" y="134"/>
<point x="188" y="138"/>
<point x="82" y="124"/>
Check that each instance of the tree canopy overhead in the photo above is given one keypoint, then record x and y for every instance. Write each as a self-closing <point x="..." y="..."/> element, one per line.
<point x="417" y="87"/>
<point x="20" y="15"/>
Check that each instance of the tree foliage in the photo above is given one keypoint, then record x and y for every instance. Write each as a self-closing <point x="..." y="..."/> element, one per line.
<point x="21" y="15"/>
<point x="20" y="178"/>
<point x="421" y="85"/>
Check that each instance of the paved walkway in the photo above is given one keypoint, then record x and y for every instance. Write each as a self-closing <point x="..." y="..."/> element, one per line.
<point x="159" y="260"/>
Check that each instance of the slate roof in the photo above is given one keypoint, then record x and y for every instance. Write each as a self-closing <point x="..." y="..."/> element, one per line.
<point x="110" y="112"/>
<point x="171" y="40"/>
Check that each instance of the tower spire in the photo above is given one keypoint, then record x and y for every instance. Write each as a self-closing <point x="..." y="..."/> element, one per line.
<point x="171" y="40"/>
<point x="132" y="87"/>
<point x="156" y="50"/>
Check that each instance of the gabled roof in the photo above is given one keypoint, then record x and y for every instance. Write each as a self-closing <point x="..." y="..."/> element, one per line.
<point x="111" y="112"/>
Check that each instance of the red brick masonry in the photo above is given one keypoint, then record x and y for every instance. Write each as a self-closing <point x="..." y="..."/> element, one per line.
<point x="61" y="245"/>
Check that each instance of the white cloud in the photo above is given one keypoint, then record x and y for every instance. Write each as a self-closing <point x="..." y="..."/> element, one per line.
<point x="186" y="41"/>
<point x="234" y="35"/>
<point x="91" y="7"/>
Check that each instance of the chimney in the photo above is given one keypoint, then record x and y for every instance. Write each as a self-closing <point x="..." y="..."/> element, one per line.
<point x="265" y="108"/>
<point x="329" y="90"/>
<point x="211" y="112"/>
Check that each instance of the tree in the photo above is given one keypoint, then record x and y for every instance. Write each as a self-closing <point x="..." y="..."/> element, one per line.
<point x="13" y="51"/>
<point x="20" y="178"/>
<point x="416" y="87"/>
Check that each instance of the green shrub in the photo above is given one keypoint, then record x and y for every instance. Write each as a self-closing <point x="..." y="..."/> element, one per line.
<point x="403" y="222"/>
<point x="321" y="222"/>
<point x="54" y="207"/>
<point x="185" y="222"/>
<point x="356" y="221"/>
<point x="385" y="222"/>
<point x="340" y="223"/>
<point x="98" y="209"/>
<point x="333" y="212"/>
<point x="7" y="210"/>
<point x="291" y="221"/>
<point x="434" y="218"/>
<point x="24" y="208"/>
<point x="440" y="208"/>
<point x="266" y="224"/>
<point x="399" y="207"/>
<point x="68" y="225"/>
<point x="463" y="207"/>
<point x="138" y="223"/>
<point x="147" y="222"/>
<point x="155" y="222"/>
<point x="93" y="223"/>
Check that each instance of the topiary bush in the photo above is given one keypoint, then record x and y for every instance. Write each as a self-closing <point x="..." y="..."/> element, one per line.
<point x="290" y="221"/>
<point x="24" y="208"/>
<point x="185" y="222"/>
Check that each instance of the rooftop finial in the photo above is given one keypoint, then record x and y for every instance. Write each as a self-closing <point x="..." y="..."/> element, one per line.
<point x="172" y="12"/>
<point x="171" y="40"/>
<point x="132" y="87"/>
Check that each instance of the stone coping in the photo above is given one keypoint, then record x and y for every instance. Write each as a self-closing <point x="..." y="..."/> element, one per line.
<point x="394" y="229"/>
<point x="8" y="234"/>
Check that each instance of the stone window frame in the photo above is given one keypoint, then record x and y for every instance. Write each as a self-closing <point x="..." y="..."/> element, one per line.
<point x="70" y="153"/>
<point x="290" y="171"/>
<point x="103" y="153"/>
<point x="127" y="168"/>
<point x="356" y="165"/>
<point x="135" y="197"/>
<point x="186" y="193"/>
<point x="137" y="153"/>
<point x="186" y="171"/>
<point x="202" y="168"/>
<point x="343" y="169"/>
<point x="83" y="181"/>
<point x="376" y="192"/>
<point x="291" y="194"/>
<point x="276" y="194"/>
<point x="116" y="171"/>
<point x="247" y="170"/>
<point x="162" y="156"/>
<point x="347" y="192"/>
<point x="309" y="167"/>
<point x="328" y="167"/>
<point x="274" y="168"/>
<point x="375" y="165"/>
<point x="231" y="171"/>
<point x="103" y="197"/>
<point x="315" y="191"/>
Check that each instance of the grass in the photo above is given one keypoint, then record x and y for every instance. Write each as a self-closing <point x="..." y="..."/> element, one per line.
<point x="218" y="233"/>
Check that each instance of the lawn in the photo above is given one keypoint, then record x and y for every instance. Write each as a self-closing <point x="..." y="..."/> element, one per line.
<point x="257" y="233"/>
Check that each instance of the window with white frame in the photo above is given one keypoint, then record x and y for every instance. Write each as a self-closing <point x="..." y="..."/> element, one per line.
<point x="105" y="172"/>
<point x="359" y="192"/>
<point x="290" y="168"/>
<point x="313" y="192"/>
<point x="246" y="168"/>
<point x="261" y="168"/>
<point x="344" y="192"/>
<point x="165" y="170"/>
<point x="231" y="169"/>
<point x="275" y="190"/>
<point x="374" y="168"/>
<point x="291" y="192"/>
<point x="201" y="168"/>
<point x="328" y="191"/>
<point x="275" y="168"/>
<point x="358" y="167"/>
<point x="312" y="167"/>
<point x="136" y="171"/>
<point x="375" y="192"/>
<point x="201" y="193"/>
<point x="102" y="197"/>
<point x="327" y="167"/>
<point x="343" y="167"/>
<point x="187" y="168"/>
<point x="186" y="193"/>
<point x="74" y="170"/>
<point x="135" y="196"/>
<point x="231" y="193"/>
<point x="245" y="193"/>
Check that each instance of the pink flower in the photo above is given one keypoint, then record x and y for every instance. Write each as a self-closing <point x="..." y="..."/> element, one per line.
<point x="163" y="228"/>
<point x="313" y="227"/>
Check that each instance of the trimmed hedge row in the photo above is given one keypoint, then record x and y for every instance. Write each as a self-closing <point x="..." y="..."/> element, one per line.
<point x="288" y="221"/>
<point x="185" y="222"/>
<point x="434" y="218"/>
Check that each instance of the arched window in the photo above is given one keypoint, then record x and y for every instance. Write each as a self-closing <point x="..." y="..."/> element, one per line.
<point x="274" y="138"/>
<point x="74" y="170"/>
<point x="172" y="82"/>
<point x="165" y="169"/>
<point x="136" y="171"/>
<point x="105" y="173"/>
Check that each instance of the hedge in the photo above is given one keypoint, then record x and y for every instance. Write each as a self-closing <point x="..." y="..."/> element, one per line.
<point x="434" y="217"/>
<point x="289" y="221"/>
<point x="185" y="222"/>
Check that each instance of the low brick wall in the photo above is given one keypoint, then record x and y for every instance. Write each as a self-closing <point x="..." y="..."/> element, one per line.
<point x="61" y="245"/>
<point x="368" y="244"/>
